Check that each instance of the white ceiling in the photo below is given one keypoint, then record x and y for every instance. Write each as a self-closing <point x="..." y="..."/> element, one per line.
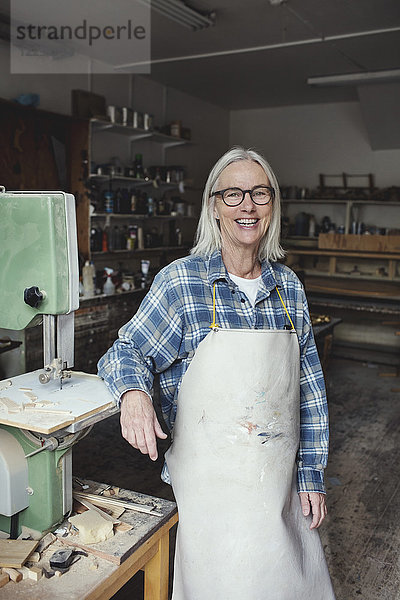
<point x="275" y="76"/>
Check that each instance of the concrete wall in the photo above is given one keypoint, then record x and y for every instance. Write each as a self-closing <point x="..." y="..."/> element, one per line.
<point x="302" y="141"/>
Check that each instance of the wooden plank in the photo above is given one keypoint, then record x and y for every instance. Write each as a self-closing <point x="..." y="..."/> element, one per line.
<point x="13" y="553"/>
<point x="115" y="502"/>
<point x="369" y="243"/>
<point x="352" y="287"/>
<point x="341" y="253"/>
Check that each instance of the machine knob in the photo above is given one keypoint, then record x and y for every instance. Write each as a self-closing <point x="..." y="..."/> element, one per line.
<point x="33" y="296"/>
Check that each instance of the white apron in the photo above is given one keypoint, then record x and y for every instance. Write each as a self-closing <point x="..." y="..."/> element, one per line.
<point x="241" y="533"/>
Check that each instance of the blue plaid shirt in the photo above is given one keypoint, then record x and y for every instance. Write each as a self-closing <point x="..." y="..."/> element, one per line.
<point x="175" y="316"/>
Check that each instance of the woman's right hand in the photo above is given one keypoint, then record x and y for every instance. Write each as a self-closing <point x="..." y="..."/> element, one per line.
<point x="139" y="423"/>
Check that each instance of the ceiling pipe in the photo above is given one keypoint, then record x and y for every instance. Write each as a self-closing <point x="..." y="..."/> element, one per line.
<point x="318" y="40"/>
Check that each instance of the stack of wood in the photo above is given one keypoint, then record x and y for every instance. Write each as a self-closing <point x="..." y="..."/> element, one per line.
<point x="19" y="558"/>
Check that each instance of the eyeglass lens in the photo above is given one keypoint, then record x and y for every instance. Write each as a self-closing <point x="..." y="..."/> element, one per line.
<point x="259" y="195"/>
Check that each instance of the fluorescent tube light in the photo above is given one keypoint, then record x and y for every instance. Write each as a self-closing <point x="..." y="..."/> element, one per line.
<point x="356" y="78"/>
<point x="181" y="13"/>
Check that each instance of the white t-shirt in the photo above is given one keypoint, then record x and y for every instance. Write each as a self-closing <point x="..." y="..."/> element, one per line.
<point x="247" y="286"/>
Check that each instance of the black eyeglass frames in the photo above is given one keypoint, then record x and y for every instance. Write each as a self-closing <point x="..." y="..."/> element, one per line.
<point x="260" y="194"/>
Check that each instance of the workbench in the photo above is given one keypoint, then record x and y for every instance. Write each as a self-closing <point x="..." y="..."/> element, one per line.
<point x="323" y="335"/>
<point x="145" y="547"/>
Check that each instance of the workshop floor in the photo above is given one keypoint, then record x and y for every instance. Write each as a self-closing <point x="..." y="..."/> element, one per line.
<point x="362" y="531"/>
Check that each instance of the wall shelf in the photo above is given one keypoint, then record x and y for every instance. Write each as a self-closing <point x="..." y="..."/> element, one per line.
<point x="137" y="251"/>
<point x="99" y="126"/>
<point x="339" y="201"/>
<point x="161" y="227"/>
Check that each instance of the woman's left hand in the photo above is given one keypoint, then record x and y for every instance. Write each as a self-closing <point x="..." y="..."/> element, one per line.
<point x="315" y="502"/>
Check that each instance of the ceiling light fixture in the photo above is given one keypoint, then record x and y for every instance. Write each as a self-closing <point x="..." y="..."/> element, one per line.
<point x="181" y="13"/>
<point x="356" y="78"/>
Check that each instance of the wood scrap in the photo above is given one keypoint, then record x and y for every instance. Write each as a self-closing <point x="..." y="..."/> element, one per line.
<point x="121" y="527"/>
<point x="13" y="574"/>
<point x="14" y="553"/>
<point x="4" y="578"/>
<point x="74" y="541"/>
<point x="106" y="502"/>
<point x="111" y="491"/>
<point x="35" y="573"/>
<point x="34" y="557"/>
<point x="10" y="405"/>
<point x="52" y="411"/>
<point x="5" y="384"/>
<point x="45" y="404"/>
<point x="45" y="542"/>
<point x="114" y="511"/>
<point x="88" y="505"/>
<point x="24" y="572"/>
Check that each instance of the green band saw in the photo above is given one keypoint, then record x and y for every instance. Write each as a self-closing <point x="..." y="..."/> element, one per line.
<point x="45" y="412"/>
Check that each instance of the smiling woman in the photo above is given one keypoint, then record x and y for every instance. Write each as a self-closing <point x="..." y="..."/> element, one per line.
<point x="232" y="170"/>
<point x="242" y="225"/>
<point x="249" y="417"/>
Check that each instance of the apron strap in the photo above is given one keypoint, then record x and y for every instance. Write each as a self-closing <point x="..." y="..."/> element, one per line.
<point x="214" y="325"/>
<point x="286" y="310"/>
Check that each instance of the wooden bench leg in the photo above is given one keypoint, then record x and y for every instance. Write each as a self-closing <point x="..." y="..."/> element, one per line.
<point x="156" y="572"/>
<point x="327" y="350"/>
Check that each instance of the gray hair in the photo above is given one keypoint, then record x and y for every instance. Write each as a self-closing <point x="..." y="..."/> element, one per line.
<point x="208" y="236"/>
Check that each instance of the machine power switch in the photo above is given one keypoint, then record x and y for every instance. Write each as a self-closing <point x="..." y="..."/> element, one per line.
<point x="33" y="296"/>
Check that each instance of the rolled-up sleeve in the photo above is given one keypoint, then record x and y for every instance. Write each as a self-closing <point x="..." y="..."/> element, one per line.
<point x="149" y="343"/>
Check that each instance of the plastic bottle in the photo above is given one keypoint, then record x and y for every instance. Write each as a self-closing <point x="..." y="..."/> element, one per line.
<point x="108" y="202"/>
<point x="88" y="275"/>
<point x="311" y="226"/>
<point x="138" y="166"/>
<point x="109" y="287"/>
<point x="104" y="239"/>
<point x="140" y="238"/>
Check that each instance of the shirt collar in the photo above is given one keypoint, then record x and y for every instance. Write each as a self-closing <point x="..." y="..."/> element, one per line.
<point x="216" y="268"/>
<point x="217" y="271"/>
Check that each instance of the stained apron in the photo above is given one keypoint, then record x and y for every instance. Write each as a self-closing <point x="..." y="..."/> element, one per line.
<point x="241" y="532"/>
